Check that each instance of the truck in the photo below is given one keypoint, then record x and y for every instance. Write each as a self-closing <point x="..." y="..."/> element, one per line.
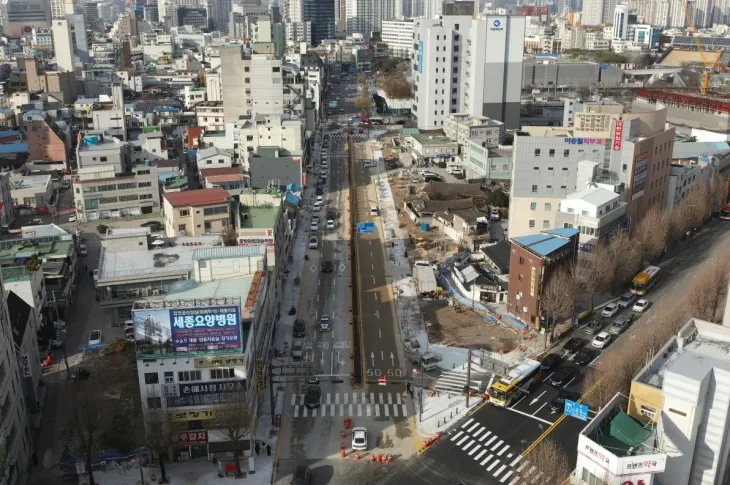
<point x="425" y="277"/>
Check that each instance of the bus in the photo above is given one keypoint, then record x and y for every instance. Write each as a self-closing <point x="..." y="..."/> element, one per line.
<point x="503" y="391"/>
<point x="643" y="281"/>
<point x="725" y="213"/>
<point x="376" y="120"/>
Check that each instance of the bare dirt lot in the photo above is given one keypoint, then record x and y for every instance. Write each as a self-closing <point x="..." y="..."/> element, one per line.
<point x="464" y="328"/>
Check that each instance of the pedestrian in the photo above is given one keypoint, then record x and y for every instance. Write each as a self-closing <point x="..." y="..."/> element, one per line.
<point x="257" y="448"/>
<point x="268" y="449"/>
<point x="411" y="393"/>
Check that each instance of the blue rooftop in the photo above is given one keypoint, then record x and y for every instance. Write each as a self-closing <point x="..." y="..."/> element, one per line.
<point x="13" y="148"/>
<point x="547" y="242"/>
<point x="5" y="133"/>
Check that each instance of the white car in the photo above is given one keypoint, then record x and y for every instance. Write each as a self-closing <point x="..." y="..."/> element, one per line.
<point x="320" y="200"/>
<point x="330" y="224"/>
<point x="313" y="242"/>
<point x="626" y="300"/>
<point x="317" y="206"/>
<point x="494" y="214"/>
<point x="324" y="323"/>
<point x="641" y="306"/>
<point x="609" y="310"/>
<point x="72" y="218"/>
<point x="359" y="439"/>
<point x="314" y="226"/>
<point x="83" y="250"/>
<point x="128" y="325"/>
<point x="601" y="340"/>
<point x="95" y="337"/>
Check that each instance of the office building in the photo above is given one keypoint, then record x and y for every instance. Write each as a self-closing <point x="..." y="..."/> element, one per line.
<point x="621" y="22"/>
<point x="221" y="14"/>
<point x="81" y="43"/>
<point x="398" y="35"/>
<point x="471" y="66"/>
<point x="19" y="15"/>
<point x="63" y="44"/>
<point x="647" y="35"/>
<point x="196" y="212"/>
<point x="366" y="16"/>
<point x="61" y="8"/>
<point x="250" y="85"/>
<point x="597" y="12"/>
<point x="321" y="14"/>
<point x="460" y="127"/>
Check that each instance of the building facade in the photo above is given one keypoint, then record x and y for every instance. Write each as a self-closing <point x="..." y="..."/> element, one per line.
<point x="398" y="35"/>
<point x="250" y="84"/>
<point x="196" y="212"/>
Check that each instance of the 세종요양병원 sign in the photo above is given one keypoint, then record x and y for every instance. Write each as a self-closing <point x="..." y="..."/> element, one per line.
<point x="197" y="329"/>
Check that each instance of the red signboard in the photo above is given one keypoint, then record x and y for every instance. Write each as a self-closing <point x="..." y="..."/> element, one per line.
<point x="191" y="438"/>
<point x="617" y="133"/>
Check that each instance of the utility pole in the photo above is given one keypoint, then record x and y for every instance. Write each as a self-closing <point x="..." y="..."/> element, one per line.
<point x="468" y="376"/>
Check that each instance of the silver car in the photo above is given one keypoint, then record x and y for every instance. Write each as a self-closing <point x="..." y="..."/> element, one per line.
<point x="297" y="350"/>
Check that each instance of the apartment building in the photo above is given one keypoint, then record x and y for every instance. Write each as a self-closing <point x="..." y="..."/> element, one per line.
<point x="251" y="85"/>
<point x="196" y="212"/>
<point x="96" y="149"/>
<point x="461" y="126"/>
<point x="481" y="160"/>
<point x="212" y="157"/>
<point x="398" y="35"/>
<point x="48" y="140"/>
<point x="284" y="131"/>
<point x="102" y="193"/>
<point x="210" y="115"/>
<point x="455" y="56"/>
<point x="147" y="146"/>
<point x="366" y="16"/>
<point x="31" y="191"/>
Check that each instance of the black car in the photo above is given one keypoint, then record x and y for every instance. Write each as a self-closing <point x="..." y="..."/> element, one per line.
<point x="328" y="267"/>
<point x="320" y="189"/>
<point x="561" y="377"/>
<point x="299" y="328"/>
<point x="574" y="344"/>
<point x="302" y="475"/>
<point x="583" y="357"/>
<point x="549" y="361"/>
<point x="313" y="397"/>
<point x="558" y="402"/>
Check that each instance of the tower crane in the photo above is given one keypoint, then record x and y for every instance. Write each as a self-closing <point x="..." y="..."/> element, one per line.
<point x="710" y="65"/>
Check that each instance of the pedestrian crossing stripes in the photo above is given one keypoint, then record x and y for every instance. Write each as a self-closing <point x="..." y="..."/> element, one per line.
<point x="352" y="404"/>
<point x="505" y="464"/>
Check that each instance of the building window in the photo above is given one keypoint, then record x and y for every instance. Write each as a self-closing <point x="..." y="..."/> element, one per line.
<point x="545" y="224"/>
<point x="533" y="206"/>
<point x="185" y="376"/>
<point x="215" y="210"/>
<point x="566" y="154"/>
<point x="551" y="152"/>
<point x="647" y="411"/>
<point x="181" y="227"/>
<point x="537" y="152"/>
<point x="548" y="206"/>
<point x="154" y="402"/>
<point x="184" y="212"/>
<point x="169" y="377"/>
<point x="520" y="277"/>
<point x="102" y="159"/>
<point x="532" y="223"/>
<point x="222" y="374"/>
<point x="151" y="378"/>
<point x="247" y="80"/>
<point x="522" y="260"/>
<point x="246" y="69"/>
<point x="534" y="189"/>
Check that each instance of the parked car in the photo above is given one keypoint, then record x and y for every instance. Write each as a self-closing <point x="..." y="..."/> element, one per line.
<point x="324" y="323"/>
<point x="72" y="218"/>
<point x="558" y="402"/>
<point x="300" y="328"/>
<point x="609" y="310"/>
<point x="619" y="326"/>
<point x="313" y="242"/>
<point x="128" y="324"/>
<point x="330" y="224"/>
<point x="561" y="377"/>
<point x="641" y="306"/>
<point x="494" y="214"/>
<point x="626" y="300"/>
<point x="549" y="361"/>
<point x="314" y="226"/>
<point x="359" y="438"/>
<point x="95" y="337"/>
<point x="36" y="222"/>
<point x="129" y="334"/>
<point x="593" y="327"/>
<point x="583" y="357"/>
<point x="601" y="340"/>
<point x="574" y="344"/>
<point x="297" y="350"/>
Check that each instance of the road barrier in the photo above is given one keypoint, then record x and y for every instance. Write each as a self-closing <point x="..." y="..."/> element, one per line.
<point x="355" y="283"/>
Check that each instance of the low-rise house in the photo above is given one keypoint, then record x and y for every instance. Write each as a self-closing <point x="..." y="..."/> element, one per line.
<point x="196" y="212"/>
<point x="31" y="191"/>
<point x="213" y="157"/>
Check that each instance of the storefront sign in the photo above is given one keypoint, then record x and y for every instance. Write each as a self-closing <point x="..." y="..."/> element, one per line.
<point x="260" y="377"/>
<point x="533" y="273"/>
<point x="191" y="438"/>
<point x="211" y="388"/>
<point x="641" y="166"/>
<point x="194" y="415"/>
<point x="185" y="425"/>
<point x="25" y="363"/>
<point x="226" y="360"/>
<point x="632" y="465"/>
<point x="584" y="141"/>
<point x="617" y="134"/>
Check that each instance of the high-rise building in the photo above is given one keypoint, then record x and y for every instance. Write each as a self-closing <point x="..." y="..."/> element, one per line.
<point x="621" y="22"/>
<point x="61" y="8"/>
<point x="19" y="16"/>
<point x="398" y="35"/>
<point x="471" y="66"/>
<point x="365" y="16"/>
<point x="63" y="44"/>
<point x="221" y="13"/>
<point x="597" y="12"/>
<point x="321" y="13"/>
<point x="81" y="41"/>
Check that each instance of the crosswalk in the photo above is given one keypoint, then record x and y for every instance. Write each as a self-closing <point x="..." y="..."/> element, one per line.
<point x="382" y="405"/>
<point x="454" y="381"/>
<point x="498" y="458"/>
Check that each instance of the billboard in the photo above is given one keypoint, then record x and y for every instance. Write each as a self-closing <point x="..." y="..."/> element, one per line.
<point x="638" y="181"/>
<point x="618" y="133"/>
<point x="203" y="330"/>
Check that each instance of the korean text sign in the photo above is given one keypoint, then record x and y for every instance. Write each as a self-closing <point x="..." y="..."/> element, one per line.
<point x="205" y="328"/>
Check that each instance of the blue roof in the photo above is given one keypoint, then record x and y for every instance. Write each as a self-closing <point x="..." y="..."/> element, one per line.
<point x="547" y="242"/>
<point x="166" y="109"/>
<point x="9" y="133"/>
<point x="291" y="198"/>
<point x="13" y="148"/>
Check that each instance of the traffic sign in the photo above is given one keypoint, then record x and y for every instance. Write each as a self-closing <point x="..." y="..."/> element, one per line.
<point x="365" y="227"/>
<point x="381" y="381"/>
<point x="576" y="410"/>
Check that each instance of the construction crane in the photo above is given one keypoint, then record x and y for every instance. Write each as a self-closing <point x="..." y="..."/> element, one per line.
<point x="710" y="65"/>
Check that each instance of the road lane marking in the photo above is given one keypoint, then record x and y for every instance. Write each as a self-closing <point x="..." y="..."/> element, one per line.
<point x="480" y="431"/>
<point x="337" y="398"/>
<point x="395" y="411"/>
<point x="538" y="409"/>
<point x="314" y="412"/>
<point x="489" y="468"/>
<point x="386" y="411"/>
<point x="481" y="453"/>
<point x="497" y="445"/>
<point x="369" y="409"/>
<point x="486" y="435"/>
<point x="506" y="476"/>
<point x="537" y="398"/>
<point x="490" y="440"/>
<point x="458" y="443"/>
<point x="354" y="397"/>
<point x="516" y="479"/>
<point x="380" y="397"/>
<point x="499" y="471"/>
<point x="349" y="410"/>
<point x="296" y="412"/>
<point x="377" y="411"/>
<point x="569" y="382"/>
<point x="390" y="398"/>
<point x="342" y="409"/>
<point x="548" y="377"/>
<point x="332" y="411"/>
<point x="472" y="428"/>
<point x="530" y="471"/>
<point x="372" y="398"/>
<point x="329" y="398"/>
<point x="293" y="399"/>
<point x="475" y="449"/>
<point x="304" y="412"/>
<point x="516" y="461"/>
<point x="398" y="398"/>
<point x="536" y="478"/>
<point x="345" y="397"/>
<point x="518" y="401"/>
<point x="486" y="460"/>
<point x="506" y="447"/>
<point x="405" y="410"/>
<point x="533" y="417"/>
<point x="468" y="445"/>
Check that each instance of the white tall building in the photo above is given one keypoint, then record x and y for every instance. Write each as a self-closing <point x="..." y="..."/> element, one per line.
<point x="365" y="16"/>
<point x="621" y="22"/>
<point x="63" y="44"/>
<point x="61" y="8"/>
<point x="398" y="35"/>
<point x="470" y="66"/>
<point x="597" y="12"/>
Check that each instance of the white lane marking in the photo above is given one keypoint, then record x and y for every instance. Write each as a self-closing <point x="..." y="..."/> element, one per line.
<point x="496" y="462"/>
<point x="349" y="410"/>
<point x="496" y="445"/>
<point x="332" y="411"/>
<point x="293" y="399"/>
<point x="490" y="440"/>
<point x="499" y="470"/>
<point x="516" y="461"/>
<point x="395" y="411"/>
<point x="480" y="431"/>
<point x="486" y="459"/>
<point x="468" y="445"/>
<point x="530" y="471"/>
<point x="377" y="411"/>
<point x="515" y="480"/>
<point x="304" y="412"/>
<point x="405" y="411"/>
<point x="380" y="397"/>
<point x="359" y="409"/>
<point x="390" y="398"/>
<point x="337" y="398"/>
<point x="386" y="411"/>
<point x="472" y="428"/>
<point x="369" y="409"/>
<point x="296" y="412"/>
<point x="398" y="399"/>
<point x="354" y="397"/>
<point x="475" y="449"/>
<point x="486" y="435"/>
<point x="301" y="400"/>
<point x="506" y="447"/>
<point x="345" y="397"/>
<point x="538" y="409"/>
<point x="549" y="423"/>
<point x="314" y="412"/>
<point x="481" y="453"/>
<point x="372" y="398"/>
<point x="506" y="476"/>
<point x="342" y="409"/>
<point x="329" y="398"/>
<point x="458" y="443"/>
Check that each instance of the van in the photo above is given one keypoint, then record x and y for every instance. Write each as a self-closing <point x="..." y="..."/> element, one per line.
<point x="429" y="361"/>
<point x="373" y="211"/>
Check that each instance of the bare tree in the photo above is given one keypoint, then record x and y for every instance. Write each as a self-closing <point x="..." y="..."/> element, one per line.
<point x="595" y="273"/>
<point x="651" y="234"/>
<point x="696" y="205"/>
<point x="158" y="436"/>
<point x="717" y="188"/>
<point x="361" y="79"/>
<point x="551" y="462"/>
<point x="88" y="420"/>
<point x="709" y="288"/>
<point x="230" y="236"/>
<point x="238" y="421"/>
<point x="626" y="254"/>
<point x="364" y="103"/>
<point x="558" y="297"/>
